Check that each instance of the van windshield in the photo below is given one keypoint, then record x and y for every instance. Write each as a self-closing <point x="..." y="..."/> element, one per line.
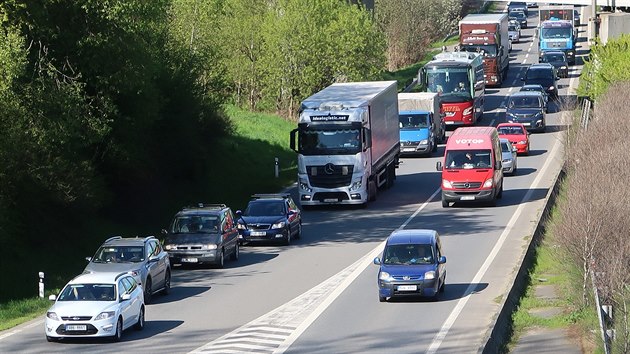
<point x="468" y="159"/>
<point x="408" y="254"/>
<point x="414" y="121"/>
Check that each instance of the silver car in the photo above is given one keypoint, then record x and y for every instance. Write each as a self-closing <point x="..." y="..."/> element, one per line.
<point x="144" y="258"/>
<point x="514" y="31"/>
<point x="508" y="152"/>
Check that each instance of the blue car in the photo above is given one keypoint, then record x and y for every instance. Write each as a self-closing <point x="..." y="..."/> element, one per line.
<point x="412" y="265"/>
<point x="270" y="217"/>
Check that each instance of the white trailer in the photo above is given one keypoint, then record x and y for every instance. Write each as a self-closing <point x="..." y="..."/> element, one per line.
<point x="347" y="141"/>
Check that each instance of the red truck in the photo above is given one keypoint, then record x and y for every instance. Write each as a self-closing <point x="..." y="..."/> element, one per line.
<point x="487" y="34"/>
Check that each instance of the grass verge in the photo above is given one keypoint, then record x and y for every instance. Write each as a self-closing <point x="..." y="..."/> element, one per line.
<point x="16" y="312"/>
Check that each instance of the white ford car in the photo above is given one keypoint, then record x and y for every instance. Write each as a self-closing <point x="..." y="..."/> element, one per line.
<point x="96" y="305"/>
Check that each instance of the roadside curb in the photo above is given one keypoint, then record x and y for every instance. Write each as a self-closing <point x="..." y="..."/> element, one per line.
<point x="501" y="327"/>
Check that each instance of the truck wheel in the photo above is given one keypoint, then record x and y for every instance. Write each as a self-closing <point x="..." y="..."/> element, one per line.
<point x="372" y="190"/>
<point x="391" y="175"/>
<point x="444" y="203"/>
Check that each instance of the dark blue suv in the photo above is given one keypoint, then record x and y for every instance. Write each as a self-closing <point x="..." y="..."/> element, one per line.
<point x="412" y="265"/>
<point x="270" y="217"/>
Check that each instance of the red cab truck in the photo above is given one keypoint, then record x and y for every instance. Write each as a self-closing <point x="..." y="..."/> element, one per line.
<point x="471" y="167"/>
<point x="488" y="34"/>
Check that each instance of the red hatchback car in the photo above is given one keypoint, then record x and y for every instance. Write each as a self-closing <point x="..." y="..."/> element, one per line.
<point x="517" y="134"/>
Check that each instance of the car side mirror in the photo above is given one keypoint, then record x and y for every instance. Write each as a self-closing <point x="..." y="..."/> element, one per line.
<point x="239" y="213"/>
<point x="442" y="260"/>
<point x="52" y="297"/>
<point x="514" y="149"/>
<point x="125" y="297"/>
<point x="438" y="166"/>
<point x="377" y="261"/>
<point x="89" y="259"/>
<point x="292" y="212"/>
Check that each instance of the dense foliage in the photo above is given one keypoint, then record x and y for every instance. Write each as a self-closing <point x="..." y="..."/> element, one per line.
<point x="607" y="64"/>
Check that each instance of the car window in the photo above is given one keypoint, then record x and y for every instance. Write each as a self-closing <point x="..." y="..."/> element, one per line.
<point x="150" y="249"/>
<point x="539" y="73"/>
<point x="229" y="220"/>
<point x="265" y="208"/>
<point x="121" y="288"/>
<point x="408" y="254"/>
<point x="506" y="147"/>
<point x="510" y="130"/>
<point x="87" y="292"/>
<point x="467" y="159"/>
<point x="524" y="102"/>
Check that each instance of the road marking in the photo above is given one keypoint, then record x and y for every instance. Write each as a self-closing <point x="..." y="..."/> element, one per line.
<point x="439" y="337"/>
<point x="15" y="331"/>
<point x="275" y="331"/>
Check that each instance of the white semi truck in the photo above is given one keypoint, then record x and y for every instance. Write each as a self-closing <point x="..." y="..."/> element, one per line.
<point x="347" y="141"/>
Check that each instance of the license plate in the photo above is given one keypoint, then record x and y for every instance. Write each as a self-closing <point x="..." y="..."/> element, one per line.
<point x="331" y="200"/>
<point x="76" y="328"/>
<point x="467" y="197"/>
<point x="409" y="149"/>
<point x="407" y="287"/>
<point x="190" y="260"/>
<point x="526" y="124"/>
<point x="258" y="233"/>
<point x="448" y="122"/>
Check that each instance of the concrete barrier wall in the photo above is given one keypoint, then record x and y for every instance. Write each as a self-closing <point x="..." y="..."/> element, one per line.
<point x="613" y="25"/>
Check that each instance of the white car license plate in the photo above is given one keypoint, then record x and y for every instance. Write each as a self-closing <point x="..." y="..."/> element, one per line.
<point x="409" y="149"/>
<point x="527" y="124"/>
<point x="407" y="287"/>
<point x="190" y="260"/>
<point x="448" y="122"/>
<point x="467" y="197"/>
<point x="331" y="200"/>
<point x="76" y="328"/>
<point x="258" y="233"/>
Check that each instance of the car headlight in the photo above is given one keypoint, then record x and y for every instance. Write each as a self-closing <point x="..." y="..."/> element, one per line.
<point x="506" y="160"/>
<point x="423" y="142"/>
<point x="429" y="275"/>
<point x="211" y="246"/>
<point x="240" y="226"/>
<point x="356" y="185"/>
<point x="384" y="276"/>
<point x="522" y="142"/>
<point x="488" y="183"/>
<point x="467" y="111"/>
<point x="52" y="316"/>
<point x="104" y="315"/>
<point x="447" y="184"/>
<point x="279" y="225"/>
<point x="551" y="88"/>
<point x="563" y="67"/>
<point x="169" y="247"/>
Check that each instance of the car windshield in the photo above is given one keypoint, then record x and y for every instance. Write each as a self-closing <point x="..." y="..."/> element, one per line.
<point x="468" y="159"/>
<point x="551" y="58"/>
<point x="119" y="254"/>
<point x="518" y="15"/>
<point x="265" y="208"/>
<point x="408" y="254"/>
<point x="510" y="130"/>
<point x="414" y="121"/>
<point x="188" y="224"/>
<point x="539" y="74"/>
<point x="524" y="102"/>
<point x="512" y="28"/>
<point x="88" y="292"/>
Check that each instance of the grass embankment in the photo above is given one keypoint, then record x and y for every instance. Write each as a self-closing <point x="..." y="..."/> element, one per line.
<point x="15" y="312"/>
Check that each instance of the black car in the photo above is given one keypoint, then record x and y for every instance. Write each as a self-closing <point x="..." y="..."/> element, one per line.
<point x="205" y="233"/>
<point x="518" y="16"/>
<point x="527" y="108"/>
<point x="270" y="217"/>
<point x="518" y="6"/>
<point x="558" y="59"/>
<point x="545" y="75"/>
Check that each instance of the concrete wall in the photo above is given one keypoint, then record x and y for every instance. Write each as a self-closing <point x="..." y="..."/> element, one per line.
<point x="613" y="25"/>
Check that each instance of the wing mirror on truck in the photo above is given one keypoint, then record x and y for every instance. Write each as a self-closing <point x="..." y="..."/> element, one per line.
<point x="438" y="166"/>
<point x="292" y="142"/>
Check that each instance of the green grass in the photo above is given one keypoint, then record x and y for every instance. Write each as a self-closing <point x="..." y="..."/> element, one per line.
<point x="14" y="313"/>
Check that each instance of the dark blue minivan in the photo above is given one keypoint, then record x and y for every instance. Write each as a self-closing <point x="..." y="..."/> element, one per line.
<point x="412" y="264"/>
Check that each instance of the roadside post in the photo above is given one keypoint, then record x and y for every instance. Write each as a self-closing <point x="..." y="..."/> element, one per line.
<point x="41" y="285"/>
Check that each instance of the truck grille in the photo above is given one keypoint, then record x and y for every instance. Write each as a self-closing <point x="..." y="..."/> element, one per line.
<point x="466" y="185"/>
<point x="330" y="176"/>
<point x="556" y="44"/>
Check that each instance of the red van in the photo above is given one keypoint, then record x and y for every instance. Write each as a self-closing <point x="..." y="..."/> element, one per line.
<point x="471" y="169"/>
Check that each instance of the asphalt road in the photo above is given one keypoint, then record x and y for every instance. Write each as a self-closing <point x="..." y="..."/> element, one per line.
<point x="319" y="295"/>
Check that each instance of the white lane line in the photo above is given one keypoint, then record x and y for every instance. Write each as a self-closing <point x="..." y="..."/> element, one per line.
<point x="439" y="337"/>
<point x="15" y="331"/>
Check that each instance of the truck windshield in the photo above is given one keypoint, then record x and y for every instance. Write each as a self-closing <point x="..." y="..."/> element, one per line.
<point x="452" y="84"/>
<point x="313" y="141"/>
<point x="556" y="32"/>
<point x="414" y="121"/>
<point x="468" y="159"/>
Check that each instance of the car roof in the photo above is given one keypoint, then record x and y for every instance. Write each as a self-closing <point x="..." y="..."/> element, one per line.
<point x="504" y="141"/>
<point x="526" y="94"/>
<point x="510" y="125"/>
<point x="127" y="241"/>
<point x="412" y="236"/>
<point x="203" y="209"/>
<point x="270" y="196"/>
<point x="97" y="277"/>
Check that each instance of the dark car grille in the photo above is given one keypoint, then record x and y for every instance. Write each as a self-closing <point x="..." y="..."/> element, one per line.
<point x="90" y="330"/>
<point x="466" y="185"/>
<point x="186" y="248"/>
<point x="408" y="277"/>
<point x="330" y="176"/>
<point x="76" y="318"/>
<point x="258" y="226"/>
